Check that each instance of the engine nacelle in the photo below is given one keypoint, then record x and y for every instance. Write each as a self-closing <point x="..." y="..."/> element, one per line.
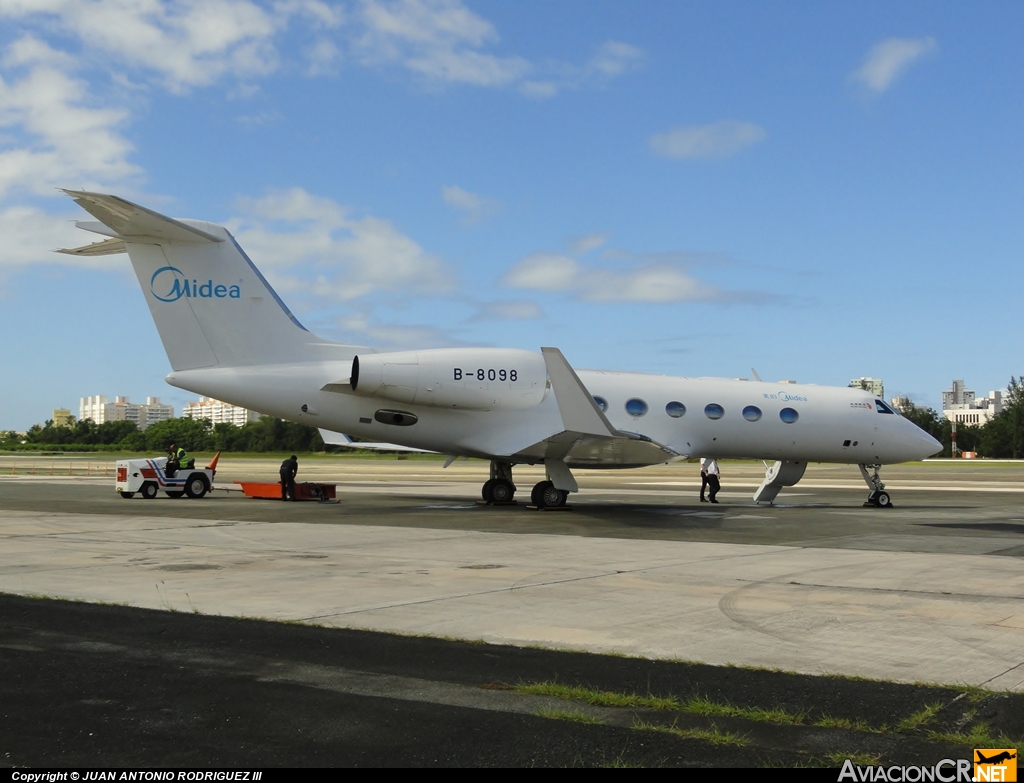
<point x="471" y="378"/>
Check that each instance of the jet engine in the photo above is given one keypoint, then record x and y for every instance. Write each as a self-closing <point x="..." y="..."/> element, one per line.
<point x="470" y="378"/>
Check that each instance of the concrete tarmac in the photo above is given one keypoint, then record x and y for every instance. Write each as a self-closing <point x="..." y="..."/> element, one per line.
<point x="931" y="590"/>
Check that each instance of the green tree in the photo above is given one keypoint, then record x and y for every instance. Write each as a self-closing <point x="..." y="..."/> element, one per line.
<point x="190" y="434"/>
<point x="1014" y="411"/>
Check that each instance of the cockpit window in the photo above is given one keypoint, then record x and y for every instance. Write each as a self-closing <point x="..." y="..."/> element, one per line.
<point x="881" y="407"/>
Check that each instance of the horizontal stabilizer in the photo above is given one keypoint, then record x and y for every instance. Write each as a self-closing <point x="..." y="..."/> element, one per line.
<point x="338" y="439"/>
<point x="107" y="247"/>
<point x="130" y="220"/>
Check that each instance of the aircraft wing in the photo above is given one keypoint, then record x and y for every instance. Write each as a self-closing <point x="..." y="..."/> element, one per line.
<point x="589" y="438"/>
<point x="338" y="439"/>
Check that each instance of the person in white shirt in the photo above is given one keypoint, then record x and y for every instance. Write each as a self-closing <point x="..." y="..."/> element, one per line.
<point x="714" y="484"/>
<point x="703" y="479"/>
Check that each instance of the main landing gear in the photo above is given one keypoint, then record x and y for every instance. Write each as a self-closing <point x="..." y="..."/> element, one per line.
<point x="500" y="490"/>
<point x="546" y="495"/>
<point x="878" y="497"/>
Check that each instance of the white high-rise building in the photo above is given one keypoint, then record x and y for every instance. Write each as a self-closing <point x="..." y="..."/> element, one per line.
<point x="218" y="412"/>
<point x="99" y="408"/>
<point x="960" y="404"/>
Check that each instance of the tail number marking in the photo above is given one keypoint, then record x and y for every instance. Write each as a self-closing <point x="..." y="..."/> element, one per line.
<point x="485" y="375"/>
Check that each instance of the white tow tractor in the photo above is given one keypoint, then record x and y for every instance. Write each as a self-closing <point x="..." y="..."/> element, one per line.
<point x="149" y="476"/>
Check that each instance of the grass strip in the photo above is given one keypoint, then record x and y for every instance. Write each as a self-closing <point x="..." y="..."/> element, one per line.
<point x="920" y="717"/>
<point x="699" y="705"/>
<point x="981" y="736"/>
<point x="598" y="698"/>
<point x="712" y="735"/>
<point x="571" y="716"/>
<point x="860" y="759"/>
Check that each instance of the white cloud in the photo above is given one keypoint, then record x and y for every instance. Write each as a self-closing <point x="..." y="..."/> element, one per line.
<point x="614" y="58"/>
<point x="539" y="90"/>
<point x="311" y="245"/>
<point x="652" y="282"/>
<point x="186" y="44"/>
<point x="584" y="244"/>
<point x="647" y="284"/>
<point x="544" y="272"/>
<point x="721" y="139"/>
<point x="438" y="39"/>
<point x="56" y="138"/>
<point x="445" y="42"/>
<point x="889" y="59"/>
<point x="395" y="337"/>
<point x="29" y="50"/>
<point x="28" y="236"/>
<point x="473" y="206"/>
<point x="322" y="56"/>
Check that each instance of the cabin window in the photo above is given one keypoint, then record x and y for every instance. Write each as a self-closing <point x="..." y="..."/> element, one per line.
<point x="751" y="413"/>
<point x="601" y="403"/>
<point x="675" y="409"/>
<point x="788" y="415"/>
<point x="636" y="407"/>
<point x="714" y="410"/>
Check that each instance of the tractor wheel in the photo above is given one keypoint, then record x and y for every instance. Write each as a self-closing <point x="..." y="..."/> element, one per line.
<point x="196" y="486"/>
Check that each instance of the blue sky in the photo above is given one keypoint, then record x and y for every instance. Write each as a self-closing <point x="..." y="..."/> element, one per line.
<point x="817" y="190"/>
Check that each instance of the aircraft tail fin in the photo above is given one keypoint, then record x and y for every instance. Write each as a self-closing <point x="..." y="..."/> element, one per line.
<point x="211" y="305"/>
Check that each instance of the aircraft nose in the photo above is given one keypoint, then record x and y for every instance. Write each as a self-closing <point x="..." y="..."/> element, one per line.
<point x="926" y="445"/>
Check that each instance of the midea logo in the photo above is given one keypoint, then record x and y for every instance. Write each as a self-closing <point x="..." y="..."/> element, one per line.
<point x="169" y="284"/>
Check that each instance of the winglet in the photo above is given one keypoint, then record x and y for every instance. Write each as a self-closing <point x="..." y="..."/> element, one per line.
<point x="578" y="409"/>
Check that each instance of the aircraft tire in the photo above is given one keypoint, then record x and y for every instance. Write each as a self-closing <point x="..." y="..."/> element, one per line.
<point x="882" y="500"/>
<point x="537" y="493"/>
<point x="550" y="497"/>
<point x="148" y="490"/>
<point x="196" y="487"/>
<point x="488" y="489"/>
<point x="503" y="491"/>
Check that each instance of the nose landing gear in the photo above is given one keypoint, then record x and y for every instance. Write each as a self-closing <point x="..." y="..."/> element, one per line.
<point x="878" y="497"/>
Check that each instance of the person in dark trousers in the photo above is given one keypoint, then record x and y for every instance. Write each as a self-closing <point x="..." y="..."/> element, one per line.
<point x="714" y="484"/>
<point x="288" y="470"/>
<point x="175" y="457"/>
<point x="703" y="479"/>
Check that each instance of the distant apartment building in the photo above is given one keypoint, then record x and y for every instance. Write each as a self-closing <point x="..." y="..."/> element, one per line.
<point x="873" y="385"/>
<point x="99" y="408"/>
<point x="961" y="405"/>
<point x="218" y="412"/>
<point x="61" y="417"/>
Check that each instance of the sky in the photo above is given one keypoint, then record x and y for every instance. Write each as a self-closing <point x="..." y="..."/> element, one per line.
<point x="820" y="191"/>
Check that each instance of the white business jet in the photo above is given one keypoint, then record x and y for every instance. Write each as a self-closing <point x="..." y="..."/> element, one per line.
<point x="229" y="336"/>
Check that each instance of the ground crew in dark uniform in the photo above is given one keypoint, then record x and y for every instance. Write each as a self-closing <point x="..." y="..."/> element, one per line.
<point x="703" y="479"/>
<point x="714" y="482"/>
<point x="288" y="470"/>
<point x="175" y="458"/>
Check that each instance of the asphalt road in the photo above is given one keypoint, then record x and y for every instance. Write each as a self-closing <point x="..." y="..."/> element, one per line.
<point x="89" y="685"/>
